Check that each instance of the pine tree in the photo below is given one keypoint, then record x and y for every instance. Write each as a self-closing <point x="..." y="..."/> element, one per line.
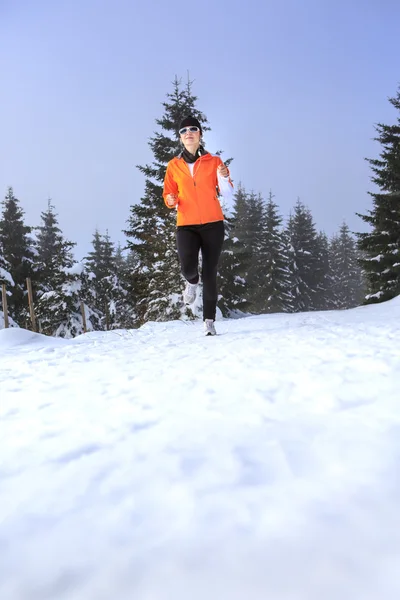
<point x="248" y="231"/>
<point x="347" y="284"/>
<point x="105" y="264"/>
<point x="303" y="258"/>
<point x="5" y="275"/>
<point x="16" y="247"/>
<point x="99" y="263"/>
<point x="381" y="246"/>
<point x="240" y="246"/>
<point x="241" y="215"/>
<point x="322" y="274"/>
<point x="58" y="281"/>
<point x="119" y="259"/>
<point x="336" y="301"/>
<point x="231" y="274"/>
<point x="122" y="311"/>
<point x="274" y="262"/>
<point x="66" y="304"/>
<point x="127" y="267"/>
<point x="156" y="281"/>
<point x="255" y="244"/>
<point x="7" y="280"/>
<point x="53" y="252"/>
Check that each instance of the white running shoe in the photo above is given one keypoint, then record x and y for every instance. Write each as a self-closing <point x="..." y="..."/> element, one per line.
<point x="189" y="293"/>
<point x="209" y="328"/>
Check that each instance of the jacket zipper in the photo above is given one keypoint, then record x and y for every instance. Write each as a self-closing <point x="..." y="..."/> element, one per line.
<point x="194" y="184"/>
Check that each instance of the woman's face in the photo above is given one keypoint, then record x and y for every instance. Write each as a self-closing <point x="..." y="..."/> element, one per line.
<point x="190" y="138"/>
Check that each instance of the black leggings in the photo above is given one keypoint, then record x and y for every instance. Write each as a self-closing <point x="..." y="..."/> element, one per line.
<point x="208" y="238"/>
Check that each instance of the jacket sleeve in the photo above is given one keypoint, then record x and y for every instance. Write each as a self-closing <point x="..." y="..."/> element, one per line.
<point x="225" y="185"/>
<point x="170" y="186"/>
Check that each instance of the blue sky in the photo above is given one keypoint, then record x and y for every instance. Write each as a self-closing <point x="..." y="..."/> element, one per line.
<point x="292" y="90"/>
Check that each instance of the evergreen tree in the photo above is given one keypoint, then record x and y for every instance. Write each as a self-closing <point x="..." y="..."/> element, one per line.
<point x="156" y="280"/>
<point x="322" y="274"/>
<point x="65" y="304"/>
<point x="274" y="263"/>
<point x="347" y="286"/>
<point x="231" y="274"/>
<point x="99" y="263"/>
<point x="58" y="281"/>
<point x="7" y="280"/>
<point x="255" y="239"/>
<point x="381" y="246"/>
<point x="126" y="269"/>
<point x="336" y="300"/>
<point x="247" y="231"/>
<point x="53" y="252"/>
<point x="120" y="259"/>
<point x="106" y="287"/>
<point x="303" y="256"/>
<point x="241" y="215"/>
<point x="241" y="228"/>
<point x="5" y="275"/>
<point x="15" y="244"/>
<point x="122" y="307"/>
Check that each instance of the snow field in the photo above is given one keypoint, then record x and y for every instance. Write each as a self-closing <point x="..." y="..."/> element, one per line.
<point x="160" y="464"/>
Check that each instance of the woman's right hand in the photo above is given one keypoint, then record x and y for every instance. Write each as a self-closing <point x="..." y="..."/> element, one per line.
<point x="171" y="200"/>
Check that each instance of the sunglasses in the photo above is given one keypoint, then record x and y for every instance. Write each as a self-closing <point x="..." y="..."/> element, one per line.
<point x="192" y="129"/>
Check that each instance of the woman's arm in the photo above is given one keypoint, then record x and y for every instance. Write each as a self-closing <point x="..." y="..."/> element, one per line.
<point x="225" y="184"/>
<point x="170" y="191"/>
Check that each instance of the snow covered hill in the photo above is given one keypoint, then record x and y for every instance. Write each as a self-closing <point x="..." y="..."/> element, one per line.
<point x="159" y="464"/>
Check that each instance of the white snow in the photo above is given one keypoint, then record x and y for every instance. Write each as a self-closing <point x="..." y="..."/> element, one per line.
<point x="6" y="277"/>
<point x="11" y="323"/>
<point x="76" y="269"/>
<point x="159" y="464"/>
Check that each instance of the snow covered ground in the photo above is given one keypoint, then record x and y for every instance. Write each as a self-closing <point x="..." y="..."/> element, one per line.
<point x="158" y="464"/>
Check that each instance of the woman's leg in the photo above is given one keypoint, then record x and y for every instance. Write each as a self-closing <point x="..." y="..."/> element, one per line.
<point x="188" y="245"/>
<point x="212" y="239"/>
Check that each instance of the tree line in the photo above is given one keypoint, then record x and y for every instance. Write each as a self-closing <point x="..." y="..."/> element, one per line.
<point x="268" y="264"/>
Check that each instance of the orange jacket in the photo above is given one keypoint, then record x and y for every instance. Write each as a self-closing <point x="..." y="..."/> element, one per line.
<point x="197" y="200"/>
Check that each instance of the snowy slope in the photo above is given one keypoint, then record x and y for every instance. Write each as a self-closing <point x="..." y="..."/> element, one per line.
<point x="158" y="464"/>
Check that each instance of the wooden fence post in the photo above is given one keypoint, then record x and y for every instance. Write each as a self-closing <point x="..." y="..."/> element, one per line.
<point x="83" y="317"/>
<point x="5" y="310"/>
<point x="31" y="307"/>
<point x="107" y="317"/>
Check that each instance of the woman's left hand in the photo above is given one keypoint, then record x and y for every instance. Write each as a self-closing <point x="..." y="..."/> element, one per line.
<point x="223" y="170"/>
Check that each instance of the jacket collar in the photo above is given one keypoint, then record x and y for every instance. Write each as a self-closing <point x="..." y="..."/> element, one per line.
<point x="203" y="156"/>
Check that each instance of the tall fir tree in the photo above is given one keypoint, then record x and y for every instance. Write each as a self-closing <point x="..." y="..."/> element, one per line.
<point x="53" y="252"/>
<point x="381" y="246"/>
<point x="7" y="280"/>
<point x="255" y="240"/>
<point x="106" y="289"/>
<point x="122" y="306"/>
<point x="156" y="280"/>
<point x="303" y="257"/>
<point x="16" y="247"/>
<point x="247" y="232"/>
<point x="322" y="274"/>
<point x="347" y="283"/>
<point x="58" y="281"/>
<point x="231" y="273"/>
<point x="274" y="259"/>
<point x="119" y="258"/>
<point x="69" y="302"/>
<point x="100" y="265"/>
<point x="128" y="264"/>
<point x="241" y="228"/>
<point x="5" y="272"/>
